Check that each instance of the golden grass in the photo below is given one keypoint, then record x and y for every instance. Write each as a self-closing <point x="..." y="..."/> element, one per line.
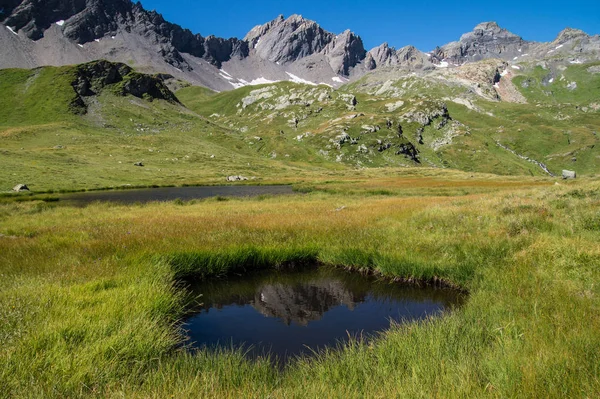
<point x="88" y="297"/>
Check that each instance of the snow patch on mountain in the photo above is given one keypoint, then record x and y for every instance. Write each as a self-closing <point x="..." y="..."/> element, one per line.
<point x="262" y="81"/>
<point x="297" y="79"/>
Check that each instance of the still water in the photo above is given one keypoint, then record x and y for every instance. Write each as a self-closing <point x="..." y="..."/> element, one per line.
<point x="173" y="193"/>
<point x="287" y="314"/>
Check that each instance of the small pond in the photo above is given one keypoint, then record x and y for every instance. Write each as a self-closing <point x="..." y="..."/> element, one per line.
<point x="132" y="196"/>
<point x="287" y="314"/>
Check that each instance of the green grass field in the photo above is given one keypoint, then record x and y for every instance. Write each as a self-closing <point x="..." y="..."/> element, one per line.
<point x="92" y="298"/>
<point x="286" y="131"/>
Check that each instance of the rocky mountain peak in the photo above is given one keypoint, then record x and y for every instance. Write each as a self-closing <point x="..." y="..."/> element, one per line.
<point x="386" y="56"/>
<point x="487" y="40"/>
<point x="407" y="53"/>
<point x="569" y="34"/>
<point x="34" y="18"/>
<point x="345" y="51"/>
<point x="487" y="30"/>
<point x="260" y="30"/>
<point x="382" y="55"/>
<point x="488" y="26"/>
<point x="297" y="19"/>
<point x="297" y="48"/>
<point x="287" y="40"/>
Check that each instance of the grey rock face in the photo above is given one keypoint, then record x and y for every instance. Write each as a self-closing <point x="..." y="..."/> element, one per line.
<point x="294" y="49"/>
<point x="386" y="56"/>
<point x="87" y="20"/>
<point x="410" y="56"/>
<point x="487" y="40"/>
<point x="570" y="34"/>
<point x="427" y="115"/>
<point x="345" y="52"/>
<point x="383" y="55"/>
<point x="570" y="46"/>
<point x="34" y="18"/>
<point x="288" y="40"/>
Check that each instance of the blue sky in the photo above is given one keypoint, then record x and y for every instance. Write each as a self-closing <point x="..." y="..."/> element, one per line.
<point x="423" y="24"/>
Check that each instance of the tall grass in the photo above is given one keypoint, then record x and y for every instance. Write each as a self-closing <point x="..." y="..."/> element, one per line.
<point x="91" y="298"/>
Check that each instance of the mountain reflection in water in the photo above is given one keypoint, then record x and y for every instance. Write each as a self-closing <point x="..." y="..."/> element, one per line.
<point x="293" y="313"/>
<point x="303" y="303"/>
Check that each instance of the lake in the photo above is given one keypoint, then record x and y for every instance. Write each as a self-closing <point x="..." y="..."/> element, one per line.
<point x="132" y="196"/>
<point x="287" y="314"/>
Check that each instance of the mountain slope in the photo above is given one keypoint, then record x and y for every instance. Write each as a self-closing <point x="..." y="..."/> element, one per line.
<point x="478" y="117"/>
<point x="286" y="49"/>
<point x="47" y="141"/>
<point x="59" y="33"/>
<point x="85" y="126"/>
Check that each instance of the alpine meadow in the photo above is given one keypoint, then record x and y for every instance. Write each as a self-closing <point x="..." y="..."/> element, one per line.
<point x="294" y="187"/>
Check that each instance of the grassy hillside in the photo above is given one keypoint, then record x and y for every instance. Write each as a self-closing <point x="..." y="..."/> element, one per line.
<point x="35" y="97"/>
<point x="287" y="131"/>
<point x="388" y="167"/>
<point x="305" y="122"/>
<point x="45" y="144"/>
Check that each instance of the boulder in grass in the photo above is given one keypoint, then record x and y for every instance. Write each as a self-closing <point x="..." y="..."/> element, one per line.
<point x="20" y="187"/>
<point x="236" y="178"/>
<point x="138" y="164"/>
<point x="569" y="174"/>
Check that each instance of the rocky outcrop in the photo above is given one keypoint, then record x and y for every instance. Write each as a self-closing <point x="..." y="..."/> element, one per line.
<point x="426" y="113"/>
<point x="409" y="151"/>
<point x="381" y="56"/>
<point x="91" y="78"/>
<point x="236" y="178"/>
<point x="20" y="187"/>
<point x="147" y="87"/>
<point x="569" y="34"/>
